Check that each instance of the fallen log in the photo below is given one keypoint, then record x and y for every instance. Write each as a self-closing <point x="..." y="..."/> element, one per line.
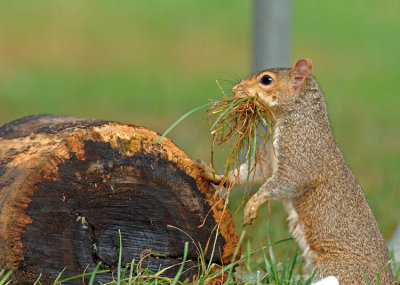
<point x="67" y="185"/>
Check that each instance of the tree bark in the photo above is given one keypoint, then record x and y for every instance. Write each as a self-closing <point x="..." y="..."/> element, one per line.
<point x="67" y="185"/>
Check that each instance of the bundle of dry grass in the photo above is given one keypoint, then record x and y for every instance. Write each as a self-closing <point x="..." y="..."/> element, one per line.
<point x="237" y="121"/>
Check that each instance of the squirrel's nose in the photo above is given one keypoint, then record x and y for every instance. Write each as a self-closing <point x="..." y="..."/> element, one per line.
<point x="235" y="88"/>
<point x="239" y="91"/>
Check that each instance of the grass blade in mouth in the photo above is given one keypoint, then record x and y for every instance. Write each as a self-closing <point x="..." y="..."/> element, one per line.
<point x="180" y="120"/>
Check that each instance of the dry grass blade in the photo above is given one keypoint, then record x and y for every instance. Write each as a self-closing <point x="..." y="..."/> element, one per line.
<point x="237" y="121"/>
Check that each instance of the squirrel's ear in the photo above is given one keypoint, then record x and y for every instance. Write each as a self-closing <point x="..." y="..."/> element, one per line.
<point x="300" y="70"/>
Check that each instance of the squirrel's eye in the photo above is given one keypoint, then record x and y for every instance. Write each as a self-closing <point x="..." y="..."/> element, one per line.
<point x="266" y="80"/>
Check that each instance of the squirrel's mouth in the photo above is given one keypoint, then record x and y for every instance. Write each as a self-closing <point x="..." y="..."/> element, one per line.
<point x="267" y="101"/>
<point x="266" y="104"/>
<point x="241" y="95"/>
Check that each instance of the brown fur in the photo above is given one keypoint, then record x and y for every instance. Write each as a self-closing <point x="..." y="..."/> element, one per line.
<point x="328" y="211"/>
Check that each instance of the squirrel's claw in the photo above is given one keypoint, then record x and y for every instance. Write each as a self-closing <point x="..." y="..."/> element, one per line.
<point x="208" y="173"/>
<point x="250" y="214"/>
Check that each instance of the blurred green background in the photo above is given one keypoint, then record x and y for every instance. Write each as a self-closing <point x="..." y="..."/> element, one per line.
<point x="148" y="62"/>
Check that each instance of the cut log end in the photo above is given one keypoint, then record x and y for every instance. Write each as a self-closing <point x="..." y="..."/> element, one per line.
<point x="67" y="185"/>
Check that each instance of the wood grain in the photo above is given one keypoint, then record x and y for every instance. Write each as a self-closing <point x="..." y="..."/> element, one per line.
<point x="67" y="185"/>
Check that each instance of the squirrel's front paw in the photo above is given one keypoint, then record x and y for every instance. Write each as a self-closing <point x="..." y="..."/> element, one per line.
<point x="250" y="214"/>
<point x="208" y="173"/>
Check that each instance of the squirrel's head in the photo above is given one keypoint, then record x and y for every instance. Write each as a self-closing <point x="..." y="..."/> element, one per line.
<point x="275" y="87"/>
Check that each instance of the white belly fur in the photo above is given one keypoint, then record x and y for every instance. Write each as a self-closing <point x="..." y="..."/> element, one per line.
<point x="296" y="229"/>
<point x="276" y="136"/>
<point x="330" y="280"/>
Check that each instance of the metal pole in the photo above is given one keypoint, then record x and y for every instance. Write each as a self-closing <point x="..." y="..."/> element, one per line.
<point x="271" y="34"/>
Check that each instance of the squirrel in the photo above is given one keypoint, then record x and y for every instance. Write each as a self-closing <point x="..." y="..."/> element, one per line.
<point x="328" y="212"/>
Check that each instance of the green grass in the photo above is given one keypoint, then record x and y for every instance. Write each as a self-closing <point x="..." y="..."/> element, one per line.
<point x="148" y="62"/>
<point x="4" y="276"/>
<point x="270" y="270"/>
